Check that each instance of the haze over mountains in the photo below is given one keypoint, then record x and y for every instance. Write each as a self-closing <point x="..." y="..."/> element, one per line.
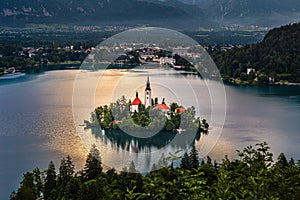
<point x="253" y="12"/>
<point x="181" y="13"/>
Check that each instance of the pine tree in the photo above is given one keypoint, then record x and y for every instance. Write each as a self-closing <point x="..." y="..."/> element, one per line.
<point x="186" y="162"/>
<point x="37" y="175"/>
<point x="282" y="161"/>
<point x="50" y="182"/>
<point x="27" y="190"/>
<point x="93" y="163"/>
<point x="194" y="157"/>
<point x="66" y="169"/>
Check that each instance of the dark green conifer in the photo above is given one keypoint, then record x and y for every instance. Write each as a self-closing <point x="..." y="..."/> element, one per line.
<point x="27" y="190"/>
<point x="50" y="181"/>
<point x="282" y="161"/>
<point x="93" y="164"/>
<point x="194" y="157"/>
<point x="186" y="162"/>
<point x="66" y="169"/>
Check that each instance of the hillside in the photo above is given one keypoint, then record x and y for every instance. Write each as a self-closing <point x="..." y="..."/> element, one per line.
<point x="277" y="56"/>
<point x="248" y="12"/>
<point x="187" y="14"/>
<point x="89" y="11"/>
<point x="192" y="10"/>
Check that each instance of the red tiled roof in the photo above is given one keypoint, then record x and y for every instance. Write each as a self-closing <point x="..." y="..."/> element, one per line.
<point x="136" y="101"/>
<point x="161" y="107"/>
<point x="180" y="110"/>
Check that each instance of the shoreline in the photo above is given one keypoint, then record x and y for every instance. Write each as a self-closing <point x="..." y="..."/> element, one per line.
<point x="285" y="84"/>
<point x="235" y="83"/>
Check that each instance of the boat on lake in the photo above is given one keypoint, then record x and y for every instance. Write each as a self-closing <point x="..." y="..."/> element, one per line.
<point x="11" y="73"/>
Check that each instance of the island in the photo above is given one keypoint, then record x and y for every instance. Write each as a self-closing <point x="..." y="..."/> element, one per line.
<point x="149" y="115"/>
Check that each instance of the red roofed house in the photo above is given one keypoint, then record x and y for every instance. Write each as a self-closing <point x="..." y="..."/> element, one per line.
<point x="162" y="107"/>
<point x="135" y="104"/>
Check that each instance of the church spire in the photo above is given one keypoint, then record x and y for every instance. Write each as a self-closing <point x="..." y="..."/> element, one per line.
<point x="148" y="85"/>
<point x="148" y="94"/>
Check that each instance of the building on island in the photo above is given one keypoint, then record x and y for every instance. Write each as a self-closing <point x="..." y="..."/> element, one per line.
<point x="134" y="107"/>
<point x="162" y="107"/>
<point x="148" y="94"/>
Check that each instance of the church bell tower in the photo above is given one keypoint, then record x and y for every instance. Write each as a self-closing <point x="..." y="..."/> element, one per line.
<point x="147" y="94"/>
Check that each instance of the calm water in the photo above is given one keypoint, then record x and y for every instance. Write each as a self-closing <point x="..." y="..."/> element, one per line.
<point x="36" y="122"/>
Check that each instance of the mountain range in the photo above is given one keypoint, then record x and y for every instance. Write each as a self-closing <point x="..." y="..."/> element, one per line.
<point x="166" y="13"/>
<point x="89" y="11"/>
<point x="253" y="12"/>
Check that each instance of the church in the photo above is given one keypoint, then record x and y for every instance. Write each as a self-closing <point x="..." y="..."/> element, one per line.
<point x="148" y="101"/>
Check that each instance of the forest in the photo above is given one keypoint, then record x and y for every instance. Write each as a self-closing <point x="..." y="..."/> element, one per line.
<point x="253" y="175"/>
<point x="275" y="59"/>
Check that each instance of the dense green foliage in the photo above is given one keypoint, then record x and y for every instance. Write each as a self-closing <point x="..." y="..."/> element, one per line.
<point x="117" y="115"/>
<point x="277" y="56"/>
<point x="252" y="176"/>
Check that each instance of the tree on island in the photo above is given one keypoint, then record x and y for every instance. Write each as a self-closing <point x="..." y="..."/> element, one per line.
<point x="117" y="115"/>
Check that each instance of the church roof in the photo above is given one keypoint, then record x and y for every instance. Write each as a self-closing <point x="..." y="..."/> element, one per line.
<point x="136" y="101"/>
<point x="161" y="107"/>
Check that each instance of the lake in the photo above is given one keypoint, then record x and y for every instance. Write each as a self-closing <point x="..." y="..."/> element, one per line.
<point x="37" y="124"/>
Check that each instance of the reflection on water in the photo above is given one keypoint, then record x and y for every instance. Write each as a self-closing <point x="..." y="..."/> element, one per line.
<point x="95" y="88"/>
<point x="122" y="140"/>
